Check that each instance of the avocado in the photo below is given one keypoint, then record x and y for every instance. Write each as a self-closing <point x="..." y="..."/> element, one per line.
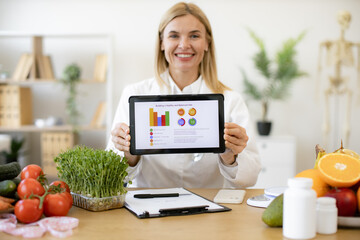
<point x="273" y="214"/>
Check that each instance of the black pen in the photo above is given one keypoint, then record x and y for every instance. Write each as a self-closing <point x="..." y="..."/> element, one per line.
<point x="160" y="195"/>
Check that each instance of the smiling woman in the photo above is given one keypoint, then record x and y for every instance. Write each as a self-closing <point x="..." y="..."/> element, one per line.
<point x="200" y="30"/>
<point x="185" y="63"/>
<point x="184" y="43"/>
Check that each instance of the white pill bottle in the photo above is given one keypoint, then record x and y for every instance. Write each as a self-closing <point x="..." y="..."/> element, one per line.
<point x="326" y="215"/>
<point x="299" y="212"/>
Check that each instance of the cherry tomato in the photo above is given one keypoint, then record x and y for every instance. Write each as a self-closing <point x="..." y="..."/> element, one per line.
<point x="57" y="204"/>
<point x="29" y="186"/>
<point x="62" y="185"/>
<point x="27" y="210"/>
<point x="31" y="171"/>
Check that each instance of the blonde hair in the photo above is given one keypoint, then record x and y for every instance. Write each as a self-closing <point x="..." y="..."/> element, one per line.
<point x="207" y="67"/>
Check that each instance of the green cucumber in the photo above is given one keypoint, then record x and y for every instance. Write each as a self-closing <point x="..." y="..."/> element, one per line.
<point x="16" y="180"/>
<point x="9" y="171"/>
<point x="7" y="188"/>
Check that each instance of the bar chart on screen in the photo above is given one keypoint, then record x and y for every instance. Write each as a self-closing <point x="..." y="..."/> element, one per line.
<point x="158" y="120"/>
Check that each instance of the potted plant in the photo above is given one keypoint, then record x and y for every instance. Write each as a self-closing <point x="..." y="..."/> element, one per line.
<point x="278" y="75"/>
<point x="71" y="77"/>
<point x="15" y="147"/>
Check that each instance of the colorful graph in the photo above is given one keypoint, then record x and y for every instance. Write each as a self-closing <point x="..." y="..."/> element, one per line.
<point x="181" y="112"/>
<point x="192" y="112"/>
<point x="192" y="121"/>
<point x="181" y="122"/>
<point x="162" y="120"/>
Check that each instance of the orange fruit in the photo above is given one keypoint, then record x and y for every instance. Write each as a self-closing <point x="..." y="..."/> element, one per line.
<point x="358" y="198"/>
<point x="320" y="154"/>
<point x="339" y="170"/>
<point x="319" y="185"/>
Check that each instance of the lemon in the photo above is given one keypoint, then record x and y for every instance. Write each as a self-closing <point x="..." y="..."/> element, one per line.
<point x="350" y="152"/>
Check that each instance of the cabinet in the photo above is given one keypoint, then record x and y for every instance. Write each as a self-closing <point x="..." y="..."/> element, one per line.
<point x="49" y="95"/>
<point x="278" y="159"/>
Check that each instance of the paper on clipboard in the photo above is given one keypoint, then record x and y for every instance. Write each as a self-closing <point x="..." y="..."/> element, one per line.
<point x="151" y="207"/>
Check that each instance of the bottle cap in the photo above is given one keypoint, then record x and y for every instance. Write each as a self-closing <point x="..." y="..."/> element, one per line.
<point x="300" y="182"/>
<point x="326" y="201"/>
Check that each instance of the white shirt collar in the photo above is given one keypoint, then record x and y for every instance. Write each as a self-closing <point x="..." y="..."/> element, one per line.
<point x="193" y="88"/>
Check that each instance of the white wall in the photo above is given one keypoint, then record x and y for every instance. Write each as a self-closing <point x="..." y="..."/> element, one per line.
<point x="134" y="24"/>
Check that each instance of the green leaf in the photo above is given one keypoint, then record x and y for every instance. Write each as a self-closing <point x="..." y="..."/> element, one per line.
<point x="250" y="88"/>
<point x="261" y="59"/>
<point x="287" y="67"/>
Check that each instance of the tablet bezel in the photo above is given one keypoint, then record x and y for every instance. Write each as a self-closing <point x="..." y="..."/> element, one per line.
<point x="175" y="98"/>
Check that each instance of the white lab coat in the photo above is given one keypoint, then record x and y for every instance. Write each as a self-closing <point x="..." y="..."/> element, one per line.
<point x="204" y="170"/>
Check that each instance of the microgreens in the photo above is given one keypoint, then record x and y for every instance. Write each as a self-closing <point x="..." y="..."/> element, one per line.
<point x="93" y="173"/>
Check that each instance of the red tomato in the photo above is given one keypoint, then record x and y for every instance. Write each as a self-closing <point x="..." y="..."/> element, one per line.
<point x="31" y="171"/>
<point x="62" y="185"/>
<point x="27" y="210"/>
<point x="70" y="199"/>
<point x="29" y="186"/>
<point x="57" y="204"/>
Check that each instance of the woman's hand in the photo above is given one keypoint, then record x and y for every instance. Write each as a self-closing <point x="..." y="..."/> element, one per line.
<point x="120" y="136"/>
<point x="235" y="142"/>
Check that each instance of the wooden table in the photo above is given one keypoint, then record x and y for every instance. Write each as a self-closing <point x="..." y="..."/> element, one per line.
<point x="243" y="222"/>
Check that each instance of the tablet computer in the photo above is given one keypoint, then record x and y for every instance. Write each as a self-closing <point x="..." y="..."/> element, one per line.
<point x="176" y="124"/>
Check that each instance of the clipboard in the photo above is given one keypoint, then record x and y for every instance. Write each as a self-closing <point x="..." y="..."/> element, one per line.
<point x="187" y="203"/>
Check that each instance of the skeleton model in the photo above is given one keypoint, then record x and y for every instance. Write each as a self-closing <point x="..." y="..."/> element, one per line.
<point x="339" y="54"/>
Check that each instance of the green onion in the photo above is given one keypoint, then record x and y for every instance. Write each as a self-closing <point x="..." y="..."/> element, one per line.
<point x="93" y="173"/>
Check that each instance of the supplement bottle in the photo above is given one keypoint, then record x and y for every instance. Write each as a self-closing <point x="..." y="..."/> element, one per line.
<point x="299" y="212"/>
<point x="326" y="215"/>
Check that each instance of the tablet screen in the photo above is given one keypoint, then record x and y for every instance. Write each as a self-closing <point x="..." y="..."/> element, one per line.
<point x="177" y="124"/>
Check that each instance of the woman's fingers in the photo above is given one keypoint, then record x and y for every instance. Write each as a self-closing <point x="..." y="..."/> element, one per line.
<point x="235" y="137"/>
<point x="121" y="137"/>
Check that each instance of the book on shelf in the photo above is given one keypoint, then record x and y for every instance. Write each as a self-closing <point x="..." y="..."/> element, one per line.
<point x="19" y="67"/>
<point x="44" y="66"/>
<point x="36" y="66"/>
<point x="100" y="69"/>
<point x="49" y="73"/>
<point x="98" y="119"/>
<point x="23" y="68"/>
<point x="40" y="66"/>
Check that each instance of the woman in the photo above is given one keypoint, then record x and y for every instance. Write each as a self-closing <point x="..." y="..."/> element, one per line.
<point x="185" y="63"/>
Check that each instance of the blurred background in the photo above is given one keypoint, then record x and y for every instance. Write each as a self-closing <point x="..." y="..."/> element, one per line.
<point x="130" y="28"/>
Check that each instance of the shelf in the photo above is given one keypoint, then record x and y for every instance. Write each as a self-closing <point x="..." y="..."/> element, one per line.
<point x="42" y="55"/>
<point x="45" y="81"/>
<point x="12" y="34"/>
<point x="33" y="128"/>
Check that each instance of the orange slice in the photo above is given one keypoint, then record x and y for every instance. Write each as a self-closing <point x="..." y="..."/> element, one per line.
<point x="339" y="170"/>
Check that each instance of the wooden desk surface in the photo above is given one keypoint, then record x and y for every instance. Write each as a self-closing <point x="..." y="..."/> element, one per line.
<point x="243" y="222"/>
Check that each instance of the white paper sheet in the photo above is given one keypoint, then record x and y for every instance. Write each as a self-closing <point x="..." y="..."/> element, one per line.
<point x="153" y="205"/>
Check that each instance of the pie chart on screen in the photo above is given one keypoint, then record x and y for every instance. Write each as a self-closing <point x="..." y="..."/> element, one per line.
<point x="181" y="122"/>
